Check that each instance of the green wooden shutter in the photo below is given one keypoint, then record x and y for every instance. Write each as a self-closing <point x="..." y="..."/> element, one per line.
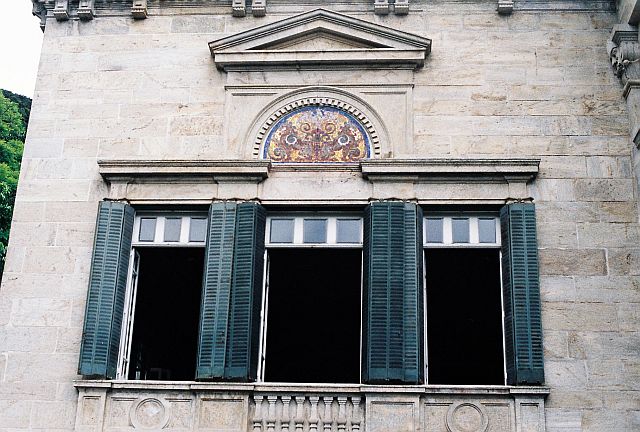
<point x="232" y="292"/>
<point x="246" y="293"/>
<point x="216" y="291"/>
<point x="521" y="290"/>
<point x="107" y="286"/>
<point x="393" y="297"/>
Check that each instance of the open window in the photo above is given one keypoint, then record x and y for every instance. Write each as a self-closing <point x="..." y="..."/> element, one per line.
<point x="312" y="308"/>
<point x="162" y="302"/>
<point x="464" y="299"/>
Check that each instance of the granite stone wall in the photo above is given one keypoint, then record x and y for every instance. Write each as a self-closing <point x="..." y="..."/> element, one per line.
<point x="531" y="84"/>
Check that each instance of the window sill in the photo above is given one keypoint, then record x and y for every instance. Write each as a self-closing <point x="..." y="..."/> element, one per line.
<point x="237" y="407"/>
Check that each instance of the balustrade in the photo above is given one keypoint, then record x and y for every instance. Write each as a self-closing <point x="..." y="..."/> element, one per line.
<point x="305" y="413"/>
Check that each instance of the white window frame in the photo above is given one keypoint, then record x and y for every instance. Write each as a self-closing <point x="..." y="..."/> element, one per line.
<point x="298" y="243"/>
<point x="474" y="243"/>
<point x="128" y="318"/>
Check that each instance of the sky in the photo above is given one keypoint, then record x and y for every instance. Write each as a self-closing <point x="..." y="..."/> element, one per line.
<point x="20" y="43"/>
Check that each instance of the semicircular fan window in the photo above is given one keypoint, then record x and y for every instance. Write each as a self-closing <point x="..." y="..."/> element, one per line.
<point x="317" y="134"/>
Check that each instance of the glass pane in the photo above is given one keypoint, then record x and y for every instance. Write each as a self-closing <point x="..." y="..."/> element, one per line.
<point x="172" y="228"/>
<point x="281" y="231"/>
<point x="198" y="230"/>
<point x="434" y="230"/>
<point x="147" y="229"/>
<point x="487" y="230"/>
<point x="348" y="231"/>
<point x="460" y="228"/>
<point x="315" y="231"/>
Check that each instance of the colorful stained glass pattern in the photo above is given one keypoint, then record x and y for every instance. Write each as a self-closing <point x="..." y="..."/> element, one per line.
<point x="317" y="134"/>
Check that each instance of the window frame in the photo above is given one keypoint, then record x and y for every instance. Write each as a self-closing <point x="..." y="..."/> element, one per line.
<point x="298" y="243"/>
<point x="473" y="243"/>
<point x="133" y="274"/>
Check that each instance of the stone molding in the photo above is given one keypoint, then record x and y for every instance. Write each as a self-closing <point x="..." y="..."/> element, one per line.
<point x="317" y="101"/>
<point x="216" y="170"/>
<point x="451" y="170"/>
<point x="441" y="170"/>
<point x="259" y="407"/>
<point x="372" y="45"/>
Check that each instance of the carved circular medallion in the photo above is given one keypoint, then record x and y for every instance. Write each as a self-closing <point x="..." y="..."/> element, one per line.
<point x="321" y="129"/>
<point x="467" y="417"/>
<point x="149" y="413"/>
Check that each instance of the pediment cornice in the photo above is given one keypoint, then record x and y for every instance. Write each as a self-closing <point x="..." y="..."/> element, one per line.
<point x="320" y="38"/>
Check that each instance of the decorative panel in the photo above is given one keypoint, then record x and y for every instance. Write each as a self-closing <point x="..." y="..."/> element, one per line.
<point x="317" y="134"/>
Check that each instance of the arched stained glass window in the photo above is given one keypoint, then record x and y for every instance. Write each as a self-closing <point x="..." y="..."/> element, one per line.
<point x="317" y="134"/>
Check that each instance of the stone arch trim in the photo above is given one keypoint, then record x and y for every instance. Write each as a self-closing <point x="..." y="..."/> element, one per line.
<point x="328" y="101"/>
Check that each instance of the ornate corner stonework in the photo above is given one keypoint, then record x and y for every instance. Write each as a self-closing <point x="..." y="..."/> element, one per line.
<point x="139" y="9"/>
<point x="40" y="11"/>
<point x="624" y="53"/>
<point x="505" y="7"/>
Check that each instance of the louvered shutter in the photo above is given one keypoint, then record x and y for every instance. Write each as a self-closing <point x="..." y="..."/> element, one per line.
<point x="393" y="296"/>
<point x="246" y="293"/>
<point x="521" y="288"/>
<point x="106" y="295"/>
<point x="232" y="292"/>
<point x="216" y="291"/>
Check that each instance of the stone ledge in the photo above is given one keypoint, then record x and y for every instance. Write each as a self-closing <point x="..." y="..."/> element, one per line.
<point x="218" y="170"/>
<point x="425" y="170"/>
<point x="477" y="390"/>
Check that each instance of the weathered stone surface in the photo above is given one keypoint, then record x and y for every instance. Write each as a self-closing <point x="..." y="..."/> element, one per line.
<point x="537" y="83"/>
<point x="566" y="262"/>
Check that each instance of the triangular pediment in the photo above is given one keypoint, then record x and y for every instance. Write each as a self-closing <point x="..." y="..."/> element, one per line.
<point x="320" y="38"/>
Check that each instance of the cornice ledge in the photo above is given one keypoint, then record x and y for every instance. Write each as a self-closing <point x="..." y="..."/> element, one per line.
<point x="247" y="170"/>
<point x="522" y="169"/>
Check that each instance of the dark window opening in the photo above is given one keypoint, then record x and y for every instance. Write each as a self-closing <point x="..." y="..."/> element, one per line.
<point x="464" y="316"/>
<point x="165" y="328"/>
<point x="313" y="323"/>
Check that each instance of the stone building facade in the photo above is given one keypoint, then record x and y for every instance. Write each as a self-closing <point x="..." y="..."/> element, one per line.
<point x="182" y="128"/>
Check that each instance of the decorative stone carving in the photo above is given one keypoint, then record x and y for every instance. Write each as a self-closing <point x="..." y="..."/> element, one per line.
<point x="238" y="8"/>
<point x="40" y="11"/>
<point x="401" y="7"/>
<point x="381" y="7"/>
<point x="372" y="45"/>
<point x="467" y="417"/>
<point x="624" y="53"/>
<point x="85" y="10"/>
<point x="139" y="9"/>
<point x="61" y="10"/>
<point x="505" y="7"/>
<point x="259" y="8"/>
<point x="149" y="413"/>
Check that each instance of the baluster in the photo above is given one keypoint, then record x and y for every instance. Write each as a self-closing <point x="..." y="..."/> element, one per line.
<point x="271" y="413"/>
<point x="327" y="418"/>
<point x="299" y="419"/>
<point x="257" y="416"/>
<point x="342" y="414"/>
<point x="286" y="409"/>
<point x="355" y="420"/>
<point x="313" y="414"/>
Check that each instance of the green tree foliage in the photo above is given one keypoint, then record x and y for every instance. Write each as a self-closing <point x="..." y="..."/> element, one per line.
<point x="24" y="105"/>
<point x="13" y="125"/>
